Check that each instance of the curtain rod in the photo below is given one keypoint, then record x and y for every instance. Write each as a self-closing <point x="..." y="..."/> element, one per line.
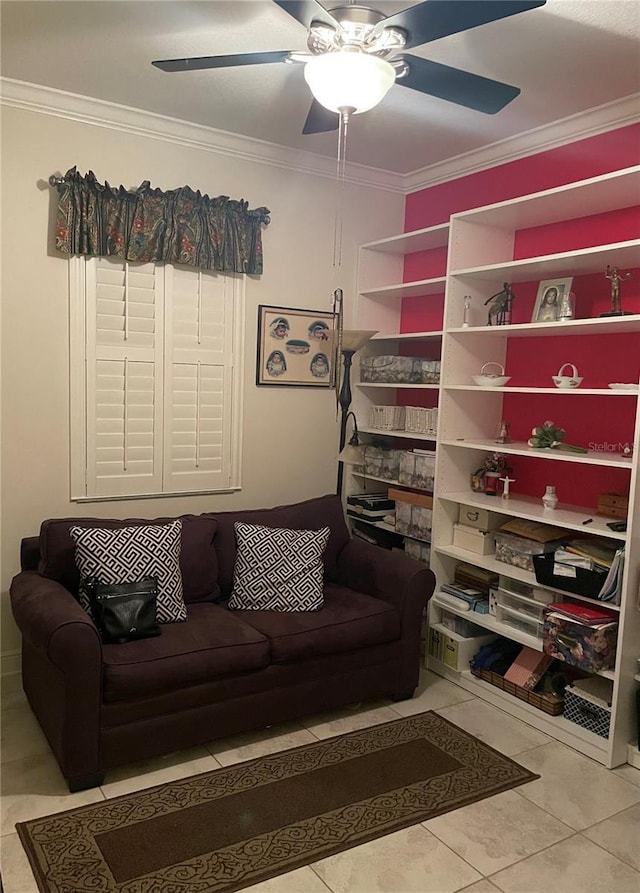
<point x="56" y="180"/>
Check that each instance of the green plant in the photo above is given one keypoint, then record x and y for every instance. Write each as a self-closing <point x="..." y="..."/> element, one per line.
<point x="549" y="437"/>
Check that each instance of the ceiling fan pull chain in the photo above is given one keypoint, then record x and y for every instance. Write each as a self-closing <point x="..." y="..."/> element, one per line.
<point x="341" y="169"/>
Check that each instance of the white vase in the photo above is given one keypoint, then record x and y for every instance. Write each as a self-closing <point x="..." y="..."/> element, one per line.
<point x="550" y="500"/>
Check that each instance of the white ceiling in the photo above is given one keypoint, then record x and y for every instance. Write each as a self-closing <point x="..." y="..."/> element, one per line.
<point x="567" y="57"/>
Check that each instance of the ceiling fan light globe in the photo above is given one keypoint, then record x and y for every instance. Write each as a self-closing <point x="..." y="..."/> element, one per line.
<point x="346" y="79"/>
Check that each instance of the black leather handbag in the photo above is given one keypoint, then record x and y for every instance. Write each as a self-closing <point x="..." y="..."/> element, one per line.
<point x="124" y="611"/>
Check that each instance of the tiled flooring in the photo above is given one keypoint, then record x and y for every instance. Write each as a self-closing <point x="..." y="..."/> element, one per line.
<point x="575" y="830"/>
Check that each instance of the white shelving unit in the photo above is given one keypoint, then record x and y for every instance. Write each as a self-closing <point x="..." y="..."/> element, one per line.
<point x="480" y="258"/>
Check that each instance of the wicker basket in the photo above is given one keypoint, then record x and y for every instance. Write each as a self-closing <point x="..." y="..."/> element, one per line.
<point x="388" y="418"/>
<point x="549" y="703"/>
<point x="420" y="420"/>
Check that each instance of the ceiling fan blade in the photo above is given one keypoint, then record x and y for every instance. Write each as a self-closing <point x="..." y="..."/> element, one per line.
<point x="438" y="18"/>
<point x="320" y="119"/>
<point x="455" y="85"/>
<point x="200" y="62"/>
<point x="307" y="11"/>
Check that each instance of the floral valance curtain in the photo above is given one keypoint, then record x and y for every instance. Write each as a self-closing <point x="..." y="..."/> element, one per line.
<point x="179" y="226"/>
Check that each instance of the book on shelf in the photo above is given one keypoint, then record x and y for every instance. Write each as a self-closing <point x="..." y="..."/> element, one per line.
<point x="600" y="551"/>
<point x="528" y="668"/>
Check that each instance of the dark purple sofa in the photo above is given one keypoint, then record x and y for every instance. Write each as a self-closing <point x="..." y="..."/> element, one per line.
<point x="221" y="672"/>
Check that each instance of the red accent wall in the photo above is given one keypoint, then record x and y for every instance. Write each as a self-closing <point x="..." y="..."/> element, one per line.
<point x="579" y="160"/>
<point x="532" y="362"/>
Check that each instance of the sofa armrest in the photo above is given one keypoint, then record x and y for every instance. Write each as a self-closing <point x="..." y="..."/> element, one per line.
<point x="400" y="581"/>
<point x="50" y="618"/>
<point x="391" y="576"/>
<point x="61" y="673"/>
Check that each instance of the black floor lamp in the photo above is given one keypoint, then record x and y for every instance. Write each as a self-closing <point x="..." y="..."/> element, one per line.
<point x="352" y="341"/>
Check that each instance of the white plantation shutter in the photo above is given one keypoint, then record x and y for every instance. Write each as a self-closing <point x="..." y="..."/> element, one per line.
<point x="124" y="378"/>
<point x="155" y="386"/>
<point x="199" y="376"/>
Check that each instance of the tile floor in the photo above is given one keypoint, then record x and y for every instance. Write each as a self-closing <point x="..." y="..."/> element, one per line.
<point x="575" y="830"/>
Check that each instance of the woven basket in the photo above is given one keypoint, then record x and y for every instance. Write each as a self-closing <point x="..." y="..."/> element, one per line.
<point x="420" y="420"/>
<point x="549" y="703"/>
<point x="388" y="418"/>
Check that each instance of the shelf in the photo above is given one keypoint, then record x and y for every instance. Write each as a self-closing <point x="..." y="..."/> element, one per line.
<point x="601" y="392"/>
<point x="383" y="526"/>
<point x="568" y="516"/>
<point x="515" y="573"/>
<point x="373" y="384"/>
<point x="408" y="289"/>
<point x="585" y="260"/>
<point x="488" y="621"/>
<point x="522" y="449"/>
<point x="409" y="243"/>
<point x="608" y="192"/>
<point x="409" y="336"/>
<point x="596" y="326"/>
<point x="406" y="435"/>
<point x="368" y="477"/>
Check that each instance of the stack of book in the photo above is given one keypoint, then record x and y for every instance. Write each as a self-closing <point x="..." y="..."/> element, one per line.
<point x="464" y="598"/>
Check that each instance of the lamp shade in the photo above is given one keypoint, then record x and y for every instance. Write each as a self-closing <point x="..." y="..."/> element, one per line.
<point x="348" y="79"/>
<point x="354" y="339"/>
<point x="352" y="455"/>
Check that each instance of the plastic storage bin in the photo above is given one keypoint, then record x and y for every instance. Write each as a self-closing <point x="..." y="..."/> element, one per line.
<point x="528" y="625"/>
<point x="529" y="608"/>
<point x="517" y="587"/>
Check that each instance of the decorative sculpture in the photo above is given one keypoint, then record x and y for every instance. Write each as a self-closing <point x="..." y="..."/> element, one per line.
<point x="465" y="316"/>
<point x="503" y="437"/>
<point x="506" y="480"/>
<point x="500" y="308"/>
<point x="613" y="275"/>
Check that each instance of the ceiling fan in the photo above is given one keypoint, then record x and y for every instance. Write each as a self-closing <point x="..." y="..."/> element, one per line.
<point x="355" y="54"/>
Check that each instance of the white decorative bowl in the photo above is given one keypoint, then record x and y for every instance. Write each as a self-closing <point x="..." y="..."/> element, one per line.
<point x="491" y="379"/>
<point x="567" y="381"/>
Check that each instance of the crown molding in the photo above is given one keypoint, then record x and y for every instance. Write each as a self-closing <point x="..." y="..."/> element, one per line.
<point x="597" y="120"/>
<point x="100" y="113"/>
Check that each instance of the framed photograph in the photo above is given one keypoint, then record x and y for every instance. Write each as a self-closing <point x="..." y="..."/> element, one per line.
<point x="549" y="299"/>
<point x="295" y="347"/>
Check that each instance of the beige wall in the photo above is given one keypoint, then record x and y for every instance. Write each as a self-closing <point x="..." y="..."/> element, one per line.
<point x="290" y="434"/>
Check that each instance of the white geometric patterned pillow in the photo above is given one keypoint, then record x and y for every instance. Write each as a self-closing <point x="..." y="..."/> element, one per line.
<point x="278" y="569"/>
<point x="127" y="555"/>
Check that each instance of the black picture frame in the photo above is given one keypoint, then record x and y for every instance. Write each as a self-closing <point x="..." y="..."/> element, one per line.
<point x="296" y="347"/>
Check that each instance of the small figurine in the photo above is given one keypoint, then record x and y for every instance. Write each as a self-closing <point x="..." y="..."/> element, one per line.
<point x="506" y="480"/>
<point x="503" y="437"/>
<point x="500" y="306"/>
<point x="465" y="317"/>
<point x="613" y="275"/>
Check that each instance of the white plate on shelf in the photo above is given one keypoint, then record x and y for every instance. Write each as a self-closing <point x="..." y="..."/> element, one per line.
<point x="623" y="386"/>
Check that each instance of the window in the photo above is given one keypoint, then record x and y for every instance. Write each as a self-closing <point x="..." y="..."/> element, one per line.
<point x="156" y="389"/>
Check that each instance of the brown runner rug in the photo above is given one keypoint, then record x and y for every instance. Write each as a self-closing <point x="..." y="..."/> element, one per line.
<point x="230" y="828"/>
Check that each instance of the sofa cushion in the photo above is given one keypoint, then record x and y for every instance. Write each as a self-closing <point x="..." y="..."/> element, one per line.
<point x="323" y="511"/>
<point x="347" y="620"/>
<point x="131" y="554"/>
<point x="214" y="642"/>
<point x="278" y="569"/>
<point x="198" y="557"/>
